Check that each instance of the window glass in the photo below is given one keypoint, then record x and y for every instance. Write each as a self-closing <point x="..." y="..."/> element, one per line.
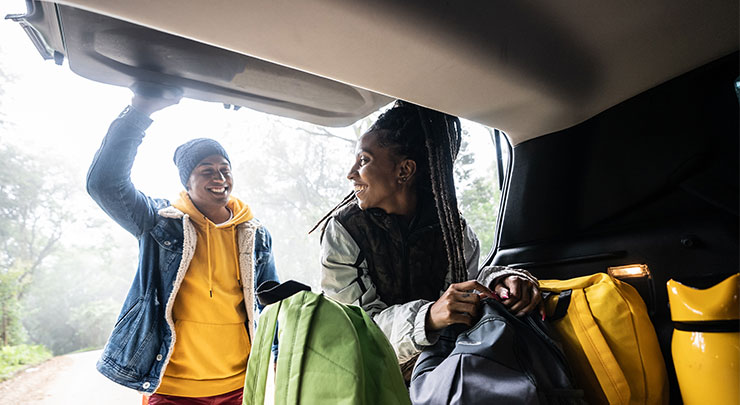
<point x="477" y="182"/>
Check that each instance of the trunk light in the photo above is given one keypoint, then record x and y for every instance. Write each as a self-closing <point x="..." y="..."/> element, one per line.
<point x="629" y="271"/>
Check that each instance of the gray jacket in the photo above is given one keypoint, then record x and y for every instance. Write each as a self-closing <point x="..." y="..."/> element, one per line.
<point x="403" y="324"/>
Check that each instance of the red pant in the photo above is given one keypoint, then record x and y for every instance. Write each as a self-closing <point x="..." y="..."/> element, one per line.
<point x="229" y="398"/>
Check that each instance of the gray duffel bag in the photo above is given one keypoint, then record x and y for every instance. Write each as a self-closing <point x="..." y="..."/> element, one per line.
<point x="502" y="359"/>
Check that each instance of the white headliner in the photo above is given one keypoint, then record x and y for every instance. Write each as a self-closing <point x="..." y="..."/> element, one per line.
<point x="526" y="67"/>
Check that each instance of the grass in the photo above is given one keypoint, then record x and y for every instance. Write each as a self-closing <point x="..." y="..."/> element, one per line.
<point x="14" y="358"/>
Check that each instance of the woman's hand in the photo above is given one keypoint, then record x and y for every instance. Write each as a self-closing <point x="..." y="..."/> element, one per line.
<point x="459" y="304"/>
<point x="520" y="295"/>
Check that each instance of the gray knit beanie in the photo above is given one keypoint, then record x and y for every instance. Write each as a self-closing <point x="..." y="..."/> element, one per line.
<point x="189" y="154"/>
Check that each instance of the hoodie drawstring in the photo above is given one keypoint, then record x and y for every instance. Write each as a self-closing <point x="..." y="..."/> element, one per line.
<point x="216" y="249"/>
<point x="208" y="258"/>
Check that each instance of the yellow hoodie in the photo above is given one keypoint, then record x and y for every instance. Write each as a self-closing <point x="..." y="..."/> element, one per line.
<point x="212" y="346"/>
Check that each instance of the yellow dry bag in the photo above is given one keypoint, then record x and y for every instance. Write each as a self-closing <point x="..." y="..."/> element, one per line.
<point x="610" y="342"/>
<point x="706" y="342"/>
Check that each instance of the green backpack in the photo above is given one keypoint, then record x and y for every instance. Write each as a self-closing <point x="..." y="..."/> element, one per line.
<point x="329" y="353"/>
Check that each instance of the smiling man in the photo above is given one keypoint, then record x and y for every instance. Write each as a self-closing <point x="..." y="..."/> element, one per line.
<point x="184" y="333"/>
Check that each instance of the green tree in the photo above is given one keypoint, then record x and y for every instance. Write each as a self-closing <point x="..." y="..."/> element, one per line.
<point x="478" y="196"/>
<point x="480" y="205"/>
<point x="463" y="163"/>
<point x="75" y="297"/>
<point x="302" y="173"/>
<point x="32" y="217"/>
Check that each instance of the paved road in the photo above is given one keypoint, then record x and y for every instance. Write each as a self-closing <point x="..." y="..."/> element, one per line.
<point x="63" y="380"/>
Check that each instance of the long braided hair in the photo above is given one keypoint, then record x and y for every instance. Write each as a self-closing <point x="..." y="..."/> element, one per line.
<point x="432" y="139"/>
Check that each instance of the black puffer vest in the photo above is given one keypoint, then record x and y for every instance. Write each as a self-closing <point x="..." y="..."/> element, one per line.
<point x="405" y="263"/>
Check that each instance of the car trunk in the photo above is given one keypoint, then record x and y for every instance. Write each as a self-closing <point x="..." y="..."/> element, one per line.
<point x="653" y="180"/>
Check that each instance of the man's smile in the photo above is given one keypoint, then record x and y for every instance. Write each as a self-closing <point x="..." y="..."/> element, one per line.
<point x="218" y="190"/>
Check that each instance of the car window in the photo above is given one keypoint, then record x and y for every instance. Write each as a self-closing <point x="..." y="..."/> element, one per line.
<point x="477" y="182"/>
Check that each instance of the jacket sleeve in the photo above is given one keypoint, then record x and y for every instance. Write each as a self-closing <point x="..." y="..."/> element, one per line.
<point x="264" y="268"/>
<point x="108" y="180"/>
<point x="345" y="278"/>
<point x="488" y="275"/>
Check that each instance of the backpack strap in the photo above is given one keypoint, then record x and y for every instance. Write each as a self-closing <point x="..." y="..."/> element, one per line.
<point x="561" y="308"/>
<point x="296" y="311"/>
<point x="271" y="291"/>
<point x="259" y="358"/>
<point x="296" y="320"/>
<point x="597" y="350"/>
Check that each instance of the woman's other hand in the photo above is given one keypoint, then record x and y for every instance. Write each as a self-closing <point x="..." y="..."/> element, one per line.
<point x="520" y="295"/>
<point x="459" y="304"/>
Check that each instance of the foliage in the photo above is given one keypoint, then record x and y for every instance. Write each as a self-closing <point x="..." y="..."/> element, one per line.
<point x="32" y="217"/>
<point x="480" y="205"/>
<point x="464" y="161"/>
<point x="14" y="358"/>
<point x="63" y="293"/>
<point x="477" y="196"/>
<point x="87" y="318"/>
<point x="74" y="301"/>
<point x="306" y="178"/>
<point x="12" y="328"/>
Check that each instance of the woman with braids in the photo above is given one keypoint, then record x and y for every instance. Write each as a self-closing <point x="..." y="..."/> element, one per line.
<point x="397" y="245"/>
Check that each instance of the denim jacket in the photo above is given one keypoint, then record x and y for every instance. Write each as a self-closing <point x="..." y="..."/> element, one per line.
<point x="143" y="338"/>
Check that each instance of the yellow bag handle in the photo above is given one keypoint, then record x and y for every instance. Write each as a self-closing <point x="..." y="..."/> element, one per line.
<point x="605" y="366"/>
